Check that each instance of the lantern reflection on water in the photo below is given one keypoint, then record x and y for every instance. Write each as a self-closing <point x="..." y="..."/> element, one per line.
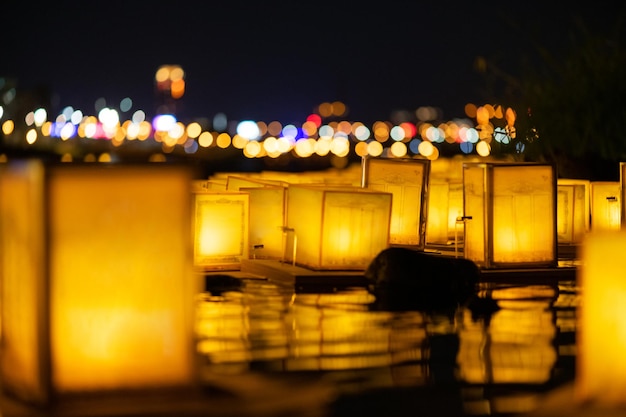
<point x="517" y="347"/>
<point x="316" y="332"/>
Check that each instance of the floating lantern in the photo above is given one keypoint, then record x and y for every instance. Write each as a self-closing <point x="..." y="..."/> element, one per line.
<point x="98" y="286"/>
<point x="622" y="182"/>
<point x="407" y="181"/>
<point x="605" y="205"/>
<point x="601" y="339"/>
<point x="445" y="206"/>
<point x="268" y="217"/>
<point x="267" y="214"/>
<point x="336" y="228"/>
<point x="511" y="209"/>
<point x="573" y="210"/>
<point x="221" y="229"/>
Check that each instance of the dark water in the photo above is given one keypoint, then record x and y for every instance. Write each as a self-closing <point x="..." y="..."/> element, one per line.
<point x="327" y="353"/>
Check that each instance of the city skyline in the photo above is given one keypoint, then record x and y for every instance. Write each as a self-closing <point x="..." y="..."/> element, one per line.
<point x="276" y="62"/>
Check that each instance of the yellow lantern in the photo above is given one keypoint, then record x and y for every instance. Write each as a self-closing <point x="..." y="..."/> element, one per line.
<point x="601" y="339"/>
<point x="336" y="228"/>
<point x="267" y="214"/>
<point x="511" y="209"/>
<point x="268" y="217"/>
<point x="445" y="206"/>
<point x="98" y="285"/>
<point x="407" y="181"/>
<point x="573" y="210"/>
<point x="622" y="182"/>
<point x="605" y="205"/>
<point x="221" y="229"/>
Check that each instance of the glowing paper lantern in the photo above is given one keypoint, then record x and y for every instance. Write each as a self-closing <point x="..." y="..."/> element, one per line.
<point x="605" y="205"/>
<point x="573" y="210"/>
<point x="407" y="181"/>
<point x="267" y="215"/>
<point x="512" y="211"/>
<point x="221" y="229"/>
<point x="445" y="206"/>
<point x="336" y="227"/>
<point x="601" y="339"/>
<point x="622" y="182"/>
<point x="98" y="285"/>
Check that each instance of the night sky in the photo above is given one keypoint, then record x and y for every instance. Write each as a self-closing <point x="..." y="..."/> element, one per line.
<point x="276" y="60"/>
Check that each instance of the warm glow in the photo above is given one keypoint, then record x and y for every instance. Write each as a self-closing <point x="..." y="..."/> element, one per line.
<point x="7" y="127"/>
<point x="601" y="341"/>
<point x="267" y="220"/>
<point x="374" y="149"/>
<point x="513" y="214"/>
<point x="193" y="130"/>
<point x="205" y="139"/>
<point x="445" y="205"/>
<point x="605" y="205"/>
<point x="406" y="179"/>
<point x="31" y="136"/>
<point x="74" y="301"/>
<point x="573" y="210"/>
<point x="223" y="140"/>
<point x="336" y="227"/>
<point x="221" y="222"/>
<point x="516" y="348"/>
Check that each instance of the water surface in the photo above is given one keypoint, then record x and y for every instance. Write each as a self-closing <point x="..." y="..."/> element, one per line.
<point x="339" y="353"/>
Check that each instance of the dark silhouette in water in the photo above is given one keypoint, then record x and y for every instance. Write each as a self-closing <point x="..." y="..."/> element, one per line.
<point x="407" y="279"/>
<point x="216" y="284"/>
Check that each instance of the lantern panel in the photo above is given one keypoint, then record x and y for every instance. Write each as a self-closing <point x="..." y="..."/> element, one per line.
<point x="573" y="213"/>
<point x="336" y="227"/>
<point x="221" y="229"/>
<point x="268" y="219"/>
<point x="407" y="181"/>
<point x="445" y="206"/>
<point x="605" y="205"/>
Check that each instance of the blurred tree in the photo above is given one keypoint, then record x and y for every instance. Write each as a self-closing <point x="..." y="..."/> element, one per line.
<point x="570" y="99"/>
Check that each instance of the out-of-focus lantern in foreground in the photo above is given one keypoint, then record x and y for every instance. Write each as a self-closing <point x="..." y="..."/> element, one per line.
<point x="98" y="286"/>
<point x="601" y="339"/>
<point x="511" y="209"/>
